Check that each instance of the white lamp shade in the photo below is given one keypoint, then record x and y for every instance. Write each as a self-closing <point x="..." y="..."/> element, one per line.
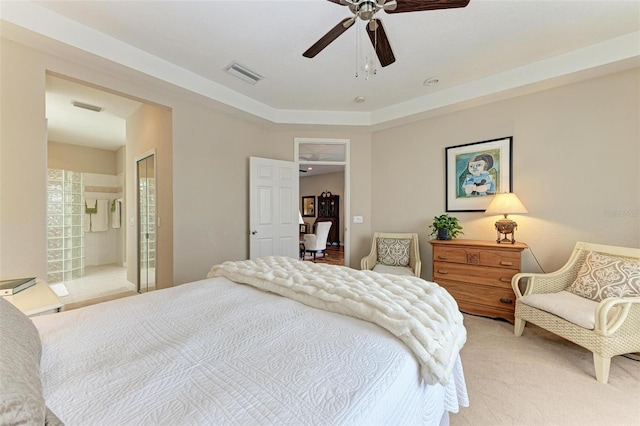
<point x="506" y="203"/>
<point x="300" y="221"/>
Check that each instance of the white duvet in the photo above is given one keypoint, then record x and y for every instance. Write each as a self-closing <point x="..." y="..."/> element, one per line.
<point x="216" y="352"/>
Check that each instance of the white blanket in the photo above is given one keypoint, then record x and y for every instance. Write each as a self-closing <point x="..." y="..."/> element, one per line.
<point x="420" y="313"/>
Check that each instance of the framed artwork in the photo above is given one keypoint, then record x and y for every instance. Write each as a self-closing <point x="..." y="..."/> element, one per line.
<point x="309" y="206"/>
<point x="475" y="172"/>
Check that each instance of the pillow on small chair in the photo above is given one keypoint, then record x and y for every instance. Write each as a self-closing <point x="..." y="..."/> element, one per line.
<point x="602" y="276"/>
<point x="393" y="251"/>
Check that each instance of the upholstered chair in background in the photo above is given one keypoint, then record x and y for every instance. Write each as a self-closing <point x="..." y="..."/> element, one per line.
<point x="317" y="243"/>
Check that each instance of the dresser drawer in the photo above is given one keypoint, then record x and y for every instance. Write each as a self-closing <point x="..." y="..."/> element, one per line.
<point x="450" y="254"/>
<point x="495" y="297"/>
<point x="473" y="256"/>
<point x="495" y="277"/>
<point x="500" y="259"/>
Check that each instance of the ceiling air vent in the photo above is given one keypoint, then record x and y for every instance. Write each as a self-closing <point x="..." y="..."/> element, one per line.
<point x="243" y="73"/>
<point x="87" y="106"/>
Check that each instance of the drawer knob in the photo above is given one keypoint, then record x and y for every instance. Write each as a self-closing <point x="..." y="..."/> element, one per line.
<point x="508" y="301"/>
<point x="504" y="263"/>
<point x="442" y="257"/>
<point x="505" y="280"/>
<point x="442" y="271"/>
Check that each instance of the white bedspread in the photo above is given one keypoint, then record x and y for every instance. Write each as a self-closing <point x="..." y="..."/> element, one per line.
<point x="420" y="313"/>
<point x="215" y="352"/>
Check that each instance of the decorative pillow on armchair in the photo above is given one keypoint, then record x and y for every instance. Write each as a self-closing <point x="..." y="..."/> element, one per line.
<point x="602" y="276"/>
<point x="393" y="251"/>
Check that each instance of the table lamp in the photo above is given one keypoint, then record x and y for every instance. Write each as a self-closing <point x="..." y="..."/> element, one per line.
<point x="506" y="203"/>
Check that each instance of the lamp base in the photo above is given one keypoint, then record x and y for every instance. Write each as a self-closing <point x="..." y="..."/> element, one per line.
<point x="504" y="228"/>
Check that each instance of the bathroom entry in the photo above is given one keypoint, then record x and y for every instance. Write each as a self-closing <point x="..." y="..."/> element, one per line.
<point x="146" y="186"/>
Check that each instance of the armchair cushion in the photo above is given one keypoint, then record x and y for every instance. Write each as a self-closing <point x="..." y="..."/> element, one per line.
<point x="602" y="276"/>
<point x="564" y="304"/>
<point x="393" y="251"/>
<point x="395" y="270"/>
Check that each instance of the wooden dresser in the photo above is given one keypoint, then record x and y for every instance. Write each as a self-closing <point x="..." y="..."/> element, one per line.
<point x="478" y="274"/>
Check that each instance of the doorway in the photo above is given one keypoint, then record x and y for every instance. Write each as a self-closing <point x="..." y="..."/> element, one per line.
<point x="146" y="202"/>
<point x="325" y="163"/>
<point x="86" y="151"/>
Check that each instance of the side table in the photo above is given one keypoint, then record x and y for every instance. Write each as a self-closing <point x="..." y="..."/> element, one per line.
<point x="38" y="299"/>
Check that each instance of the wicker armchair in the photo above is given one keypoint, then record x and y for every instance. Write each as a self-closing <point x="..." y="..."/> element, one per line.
<point x="414" y="267"/>
<point x="616" y="320"/>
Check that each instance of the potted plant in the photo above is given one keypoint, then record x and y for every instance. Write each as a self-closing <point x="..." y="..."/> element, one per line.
<point x="445" y="227"/>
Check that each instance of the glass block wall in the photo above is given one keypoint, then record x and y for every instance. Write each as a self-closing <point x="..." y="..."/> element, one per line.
<point x="147" y="254"/>
<point x="65" y="219"/>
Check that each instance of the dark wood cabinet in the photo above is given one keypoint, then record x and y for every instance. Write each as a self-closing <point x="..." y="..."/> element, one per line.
<point x="329" y="211"/>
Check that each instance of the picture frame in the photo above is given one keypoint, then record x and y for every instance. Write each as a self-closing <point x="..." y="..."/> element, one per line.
<point x="309" y="206"/>
<point x="475" y="172"/>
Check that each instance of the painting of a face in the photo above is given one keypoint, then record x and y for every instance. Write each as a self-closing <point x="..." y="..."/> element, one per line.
<point x="477" y="167"/>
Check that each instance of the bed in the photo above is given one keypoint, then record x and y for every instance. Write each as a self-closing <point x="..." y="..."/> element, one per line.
<point x="230" y="349"/>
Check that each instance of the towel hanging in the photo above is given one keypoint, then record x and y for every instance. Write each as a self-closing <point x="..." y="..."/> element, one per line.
<point x="100" y="220"/>
<point x="90" y="206"/>
<point x="115" y="213"/>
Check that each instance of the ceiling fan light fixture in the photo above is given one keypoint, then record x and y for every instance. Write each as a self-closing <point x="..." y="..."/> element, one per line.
<point x="243" y="73"/>
<point x="86" y="106"/>
<point x="366" y="11"/>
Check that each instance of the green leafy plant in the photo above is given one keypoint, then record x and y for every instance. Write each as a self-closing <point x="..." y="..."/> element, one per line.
<point x="448" y="223"/>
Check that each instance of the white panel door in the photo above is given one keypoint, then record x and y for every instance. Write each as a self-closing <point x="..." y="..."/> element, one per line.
<point x="273" y="208"/>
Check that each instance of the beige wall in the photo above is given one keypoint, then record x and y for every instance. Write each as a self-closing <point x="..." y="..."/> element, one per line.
<point x="316" y="185"/>
<point x="81" y="158"/>
<point x="576" y="156"/>
<point x="23" y="164"/>
<point x="211" y="184"/>
<point x="149" y="130"/>
<point x="576" y="151"/>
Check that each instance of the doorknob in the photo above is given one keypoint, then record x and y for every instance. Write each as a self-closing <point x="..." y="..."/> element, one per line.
<point x="254" y="232"/>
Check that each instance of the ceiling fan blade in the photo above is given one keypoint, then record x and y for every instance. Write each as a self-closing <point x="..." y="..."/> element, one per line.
<point x="326" y="39"/>
<point x="420" y="5"/>
<point x="381" y="44"/>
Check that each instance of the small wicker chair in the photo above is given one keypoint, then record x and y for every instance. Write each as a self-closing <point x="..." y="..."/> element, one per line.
<point x="616" y="328"/>
<point x="370" y="262"/>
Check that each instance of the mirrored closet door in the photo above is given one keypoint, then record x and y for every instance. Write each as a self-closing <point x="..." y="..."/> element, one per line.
<point x="146" y="184"/>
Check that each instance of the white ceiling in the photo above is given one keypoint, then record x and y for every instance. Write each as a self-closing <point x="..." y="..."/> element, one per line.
<point x="488" y="49"/>
<point x="76" y="126"/>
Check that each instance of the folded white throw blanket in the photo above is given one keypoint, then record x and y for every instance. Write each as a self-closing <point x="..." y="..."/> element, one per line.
<point x="420" y="313"/>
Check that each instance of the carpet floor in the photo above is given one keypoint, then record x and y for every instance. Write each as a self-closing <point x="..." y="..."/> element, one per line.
<point x="541" y="379"/>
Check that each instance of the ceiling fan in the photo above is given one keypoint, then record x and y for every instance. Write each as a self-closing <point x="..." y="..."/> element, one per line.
<point x="366" y="10"/>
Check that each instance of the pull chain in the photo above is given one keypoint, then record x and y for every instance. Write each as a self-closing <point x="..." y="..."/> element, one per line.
<point x="357" y="43"/>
